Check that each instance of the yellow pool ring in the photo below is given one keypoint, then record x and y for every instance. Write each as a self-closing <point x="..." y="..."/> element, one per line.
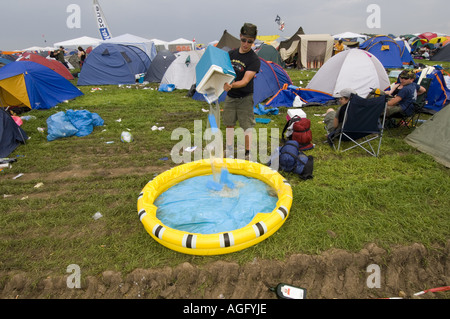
<point x="261" y="227"/>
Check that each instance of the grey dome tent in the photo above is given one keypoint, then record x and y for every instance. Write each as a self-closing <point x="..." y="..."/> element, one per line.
<point x="159" y="66"/>
<point x="433" y="136"/>
<point x="442" y="55"/>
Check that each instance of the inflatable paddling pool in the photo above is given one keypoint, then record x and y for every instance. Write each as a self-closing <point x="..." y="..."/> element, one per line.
<point x="260" y="227"/>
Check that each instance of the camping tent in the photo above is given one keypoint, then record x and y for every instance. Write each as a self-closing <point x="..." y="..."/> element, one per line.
<point x="405" y="52"/>
<point x="55" y="65"/>
<point x="288" y="47"/>
<point x="81" y="41"/>
<point x="227" y="41"/>
<point x="4" y="62"/>
<point x="111" y="63"/>
<point x="270" y="78"/>
<point x="26" y="83"/>
<point x="443" y="40"/>
<point x="432" y="137"/>
<point x="354" y="68"/>
<point x="438" y="94"/>
<point x="427" y="35"/>
<point x="385" y="49"/>
<point x="442" y="55"/>
<point x="180" y="44"/>
<point x="145" y="45"/>
<point x="267" y="39"/>
<point x="160" y="45"/>
<point x="269" y="53"/>
<point x="288" y="94"/>
<point x="314" y="50"/>
<point x="159" y="66"/>
<point x="38" y="49"/>
<point x="350" y="36"/>
<point x="11" y="135"/>
<point x="181" y="71"/>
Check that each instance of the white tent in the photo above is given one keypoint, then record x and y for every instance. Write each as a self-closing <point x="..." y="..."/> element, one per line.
<point x="36" y="48"/>
<point x="144" y="44"/>
<point x="160" y="45"/>
<point x="349" y="35"/>
<point x="81" y="41"/>
<point x="354" y="68"/>
<point x="181" y="71"/>
<point x="180" y="44"/>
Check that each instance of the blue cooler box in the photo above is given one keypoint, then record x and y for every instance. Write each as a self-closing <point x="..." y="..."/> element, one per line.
<point x="212" y="71"/>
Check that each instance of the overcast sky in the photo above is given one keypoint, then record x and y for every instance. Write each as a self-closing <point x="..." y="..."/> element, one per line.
<point x="26" y="23"/>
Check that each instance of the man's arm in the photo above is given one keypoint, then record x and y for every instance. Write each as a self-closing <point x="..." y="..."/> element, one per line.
<point x="248" y="76"/>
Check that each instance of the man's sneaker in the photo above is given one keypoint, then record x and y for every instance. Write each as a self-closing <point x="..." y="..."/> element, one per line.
<point x="247" y="155"/>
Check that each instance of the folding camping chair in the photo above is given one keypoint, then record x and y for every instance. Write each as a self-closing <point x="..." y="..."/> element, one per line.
<point x="411" y="120"/>
<point x="363" y="120"/>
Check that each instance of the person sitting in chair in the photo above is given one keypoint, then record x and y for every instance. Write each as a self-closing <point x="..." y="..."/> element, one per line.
<point x="333" y="119"/>
<point x="404" y="95"/>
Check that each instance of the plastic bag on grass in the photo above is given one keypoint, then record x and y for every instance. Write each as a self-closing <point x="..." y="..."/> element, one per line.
<point x="166" y="87"/>
<point x="58" y="126"/>
<point x="82" y="120"/>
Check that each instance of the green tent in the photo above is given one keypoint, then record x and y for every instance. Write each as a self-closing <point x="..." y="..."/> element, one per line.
<point x="269" y="53"/>
<point x="433" y="137"/>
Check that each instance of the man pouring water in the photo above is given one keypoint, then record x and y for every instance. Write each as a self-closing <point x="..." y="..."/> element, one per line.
<point x="238" y="105"/>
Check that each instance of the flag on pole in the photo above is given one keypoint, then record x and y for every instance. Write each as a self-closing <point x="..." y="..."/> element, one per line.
<point x="101" y="21"/>
<point x="279" y="22"/>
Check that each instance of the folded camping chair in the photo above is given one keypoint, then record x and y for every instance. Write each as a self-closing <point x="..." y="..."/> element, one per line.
<point x="364" y="121"/>
<point x="411" y="120"/>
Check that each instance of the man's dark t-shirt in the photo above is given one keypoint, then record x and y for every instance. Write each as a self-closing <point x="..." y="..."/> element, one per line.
<point x="241" y="63"/>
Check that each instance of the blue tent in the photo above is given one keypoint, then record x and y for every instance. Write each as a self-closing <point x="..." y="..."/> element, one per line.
<point x="268" y="81"/>
<point x="26" y="83"/>
<point x="385" y="49"/>
<point x="111" y="63"/>
<point x="286" y="96"/>
<point x="438" y="94"/>
<point x="405" y="55"/>
<point x="4" y="61"/>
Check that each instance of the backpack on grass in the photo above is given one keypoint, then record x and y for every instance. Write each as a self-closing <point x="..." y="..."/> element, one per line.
<point x="298" y="129"/>
<point x="292" y="159"/>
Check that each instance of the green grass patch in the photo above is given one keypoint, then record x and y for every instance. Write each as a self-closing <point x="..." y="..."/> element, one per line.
<point x="400" y="198"/>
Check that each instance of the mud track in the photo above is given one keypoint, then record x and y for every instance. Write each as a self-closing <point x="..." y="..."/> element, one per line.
<point x="333" y="274"/>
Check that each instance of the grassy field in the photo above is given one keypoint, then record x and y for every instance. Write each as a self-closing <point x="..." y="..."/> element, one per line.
<point x="400" y="198"/>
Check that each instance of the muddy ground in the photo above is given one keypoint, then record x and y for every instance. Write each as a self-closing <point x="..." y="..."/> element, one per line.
<point x="333" y="274"/>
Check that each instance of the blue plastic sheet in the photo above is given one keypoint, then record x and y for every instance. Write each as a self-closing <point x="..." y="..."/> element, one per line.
<point x="193" y="207"/>
<point x="78" y="123"/>
<point x="58" y="126"/>
<point x="82" y="120"/>
<point x="166" y="87"/>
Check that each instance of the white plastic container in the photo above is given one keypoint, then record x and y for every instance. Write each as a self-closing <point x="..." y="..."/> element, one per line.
<point x="292" y="112"/>
<point x="212" y="71"/>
